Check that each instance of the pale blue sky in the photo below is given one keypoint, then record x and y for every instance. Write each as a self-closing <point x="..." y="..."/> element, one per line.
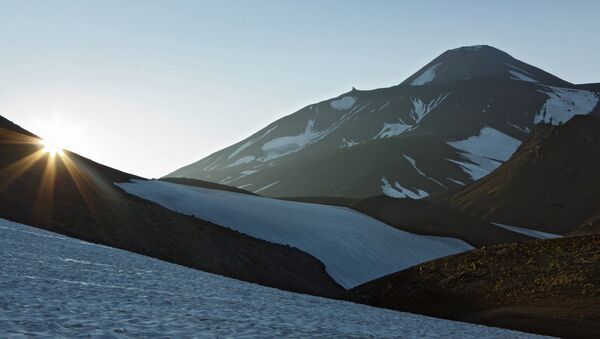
<point x="149" y="86"/>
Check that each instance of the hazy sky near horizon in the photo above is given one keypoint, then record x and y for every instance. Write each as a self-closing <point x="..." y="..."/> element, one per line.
<point x="150" y="86"/>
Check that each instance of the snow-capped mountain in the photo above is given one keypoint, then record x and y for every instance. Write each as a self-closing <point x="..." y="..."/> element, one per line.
<point x="452" y="122"/>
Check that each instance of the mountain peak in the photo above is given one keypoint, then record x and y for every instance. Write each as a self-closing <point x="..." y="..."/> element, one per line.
<point x="479" y="62"/>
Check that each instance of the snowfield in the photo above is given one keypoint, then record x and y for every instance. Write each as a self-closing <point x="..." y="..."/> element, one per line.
<point x="54" y="286"/>
<point x="484" y="152"/>
<point x="427" y="76"/>
<point x="344" y="103"/>
<point x="565" y="103"/>
<point x="355" y="248"/>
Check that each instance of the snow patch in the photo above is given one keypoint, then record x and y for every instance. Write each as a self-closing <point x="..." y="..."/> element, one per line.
<point x="418" y="111"/>
<point x="354" y="248"/>
<point x="420" y="108"/>
<point x="484" y="152"/>
<point x="413" y="162"/>
<point x="242" y="161"/>
<point x="397" y="191"/>
<point x="267" y="186"/>
<point x="390" y="130"/>
<point x="344" y="103"/>
<point x="212" y="165"/>
<point x="529" y="232"/>
<point x="385" y="105"/>
<point x="526" y="129"/>
<point x="248" y="172"/>
<point x="250" y="143"/>
<point x="564" y="103"/>
<point x="426" y="76"/>
<point x="283" y="146"/>
<point x="348" y="143"/>
<point x="520" y="76"/>
<point x="456" y="181"/>
<point x="474" y="48"/>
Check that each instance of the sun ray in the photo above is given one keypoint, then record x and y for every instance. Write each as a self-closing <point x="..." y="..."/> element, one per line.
<point x="44" y="203"/>
<point x="59" y="166"/>
<point x="15" y="170"/>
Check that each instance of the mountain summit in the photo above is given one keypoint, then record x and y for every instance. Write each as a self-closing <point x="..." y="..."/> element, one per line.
<point x="451" y="123"/>
<point x="479" y="62"/>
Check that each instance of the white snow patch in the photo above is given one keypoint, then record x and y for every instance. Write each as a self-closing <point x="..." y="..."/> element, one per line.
<point x="413" y="162"/>
<point x="44" y="296"/>
<point x="397" y="191"/>
<point x="250" y="143"/>
<point x="456" y="181"/>
<point x="474" y="48"/>
<point x="520" y="76"/>
<point x="248" y="172"/>
<point x="426" y="76"/>
<point x="390" y="130"/>
<point x="564" y="103"/>
<point x="348" y="143"/>
<point x="212" y="165"/>
<point x="283" y="146"/>
<point x="344" y="103"/>
<point x="526" y="129"/>
<point x="529" y="232"/>
<point x="385" y="105"/>
<point x="420" y="108"/>
<point x="267" y="186"/>
<point x="241" y="148"/>
<point x="242" y="161"/>
<point x="484" y="152"/>
<point x="355" y="248"/>
<point x="418" y="111"/>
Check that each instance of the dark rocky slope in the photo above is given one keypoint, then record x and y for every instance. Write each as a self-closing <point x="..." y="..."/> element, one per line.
<point x="552" y="183"/>
<point x="550" y="287"/>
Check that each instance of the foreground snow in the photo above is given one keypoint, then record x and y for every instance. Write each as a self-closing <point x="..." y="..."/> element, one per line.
<point x="54" y="286"/>
<point x="355" y="248"/>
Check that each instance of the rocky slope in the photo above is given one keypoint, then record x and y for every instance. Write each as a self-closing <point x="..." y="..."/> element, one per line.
<point x="544" y="286"/>
<point x="551" y="183"/>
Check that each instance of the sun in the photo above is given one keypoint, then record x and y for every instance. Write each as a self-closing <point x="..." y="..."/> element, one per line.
<point x="56" y="135"/>
<point x="52" y="147"/>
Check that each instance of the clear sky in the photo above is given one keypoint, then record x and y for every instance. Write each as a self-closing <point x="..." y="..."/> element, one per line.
<point x="150" y="86"/>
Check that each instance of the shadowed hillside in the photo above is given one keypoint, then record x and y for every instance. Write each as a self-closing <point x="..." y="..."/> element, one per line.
<point x="552" y="183"/>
